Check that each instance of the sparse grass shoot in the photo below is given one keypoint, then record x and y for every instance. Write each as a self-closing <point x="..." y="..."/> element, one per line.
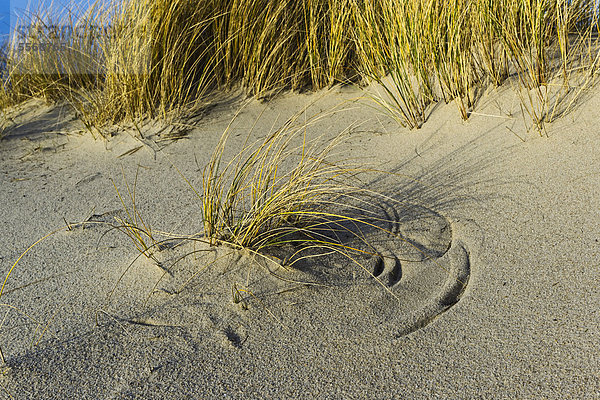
<point x="134" y="225"/>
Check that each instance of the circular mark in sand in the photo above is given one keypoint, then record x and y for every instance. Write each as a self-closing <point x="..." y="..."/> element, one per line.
<point x="412" y="270"/>
<point x="431" y="288"/>
<point x="425" y="268"/>
<point x="417" y="270"/>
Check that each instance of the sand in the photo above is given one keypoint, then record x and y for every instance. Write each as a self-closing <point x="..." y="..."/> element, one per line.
<point x="512" y="215"/>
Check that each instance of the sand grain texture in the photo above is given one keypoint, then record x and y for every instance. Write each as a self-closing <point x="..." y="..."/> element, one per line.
<point x="517" y="222"/>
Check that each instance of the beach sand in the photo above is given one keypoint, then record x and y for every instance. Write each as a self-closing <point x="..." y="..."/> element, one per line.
<point x="506" y="306"/>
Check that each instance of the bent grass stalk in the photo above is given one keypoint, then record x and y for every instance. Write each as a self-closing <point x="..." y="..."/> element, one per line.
<point x="13" y="267"/>
<point x="134" y="227"/>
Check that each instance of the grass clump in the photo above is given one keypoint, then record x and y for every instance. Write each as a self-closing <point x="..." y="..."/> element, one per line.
<point x="162" y="58"/>
<point x="156" y="58"/>
<point x="390" y="52"/>
<point x="422" y="51"/>
<point x="46" y="60"/>
<point x="273" y="189"/>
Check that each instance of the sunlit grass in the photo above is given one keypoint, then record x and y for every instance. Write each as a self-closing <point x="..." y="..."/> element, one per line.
<point x="252" y="201"/>
<point x="165" y="58"/>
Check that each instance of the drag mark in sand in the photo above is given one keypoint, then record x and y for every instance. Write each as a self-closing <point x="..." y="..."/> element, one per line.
<point x="449" y="294"/>
<point x="424" y="264"/>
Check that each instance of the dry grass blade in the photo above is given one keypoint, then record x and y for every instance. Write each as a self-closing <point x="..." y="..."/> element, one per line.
<point x="133" y="225"/>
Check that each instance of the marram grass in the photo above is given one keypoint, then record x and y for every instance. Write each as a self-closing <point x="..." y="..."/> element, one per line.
<point x="163" y="57"/>
<point x="166" y="57"/>
<point x="253" y="201"/>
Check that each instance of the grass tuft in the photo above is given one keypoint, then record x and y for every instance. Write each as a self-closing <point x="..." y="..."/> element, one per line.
<point x="253" y="201"/>
<point x="163" y="59"/>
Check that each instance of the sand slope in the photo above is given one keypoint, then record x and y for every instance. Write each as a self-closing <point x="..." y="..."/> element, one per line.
<point x="517" y="221"/>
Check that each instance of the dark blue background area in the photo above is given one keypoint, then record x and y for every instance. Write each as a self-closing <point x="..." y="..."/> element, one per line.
<point x="4" y="33"/>
<point x="4" y="20"/>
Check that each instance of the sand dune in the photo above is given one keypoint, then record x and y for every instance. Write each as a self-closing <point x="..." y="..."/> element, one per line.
<point x="489" y="288"/>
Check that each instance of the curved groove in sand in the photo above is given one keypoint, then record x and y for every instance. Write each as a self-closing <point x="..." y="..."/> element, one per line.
<point x="428" y="286"/>
<point x="450" y="293"/>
